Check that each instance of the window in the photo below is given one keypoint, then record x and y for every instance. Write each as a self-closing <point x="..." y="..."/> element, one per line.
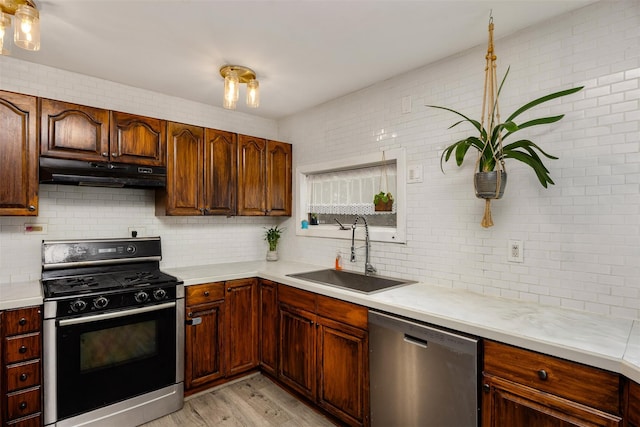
<point x="342" y="189"/>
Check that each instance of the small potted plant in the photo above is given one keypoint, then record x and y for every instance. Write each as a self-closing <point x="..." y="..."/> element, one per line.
<point x="313" y="218"/>
<point x="383" y="202"/>
<point x="272" y="235"/>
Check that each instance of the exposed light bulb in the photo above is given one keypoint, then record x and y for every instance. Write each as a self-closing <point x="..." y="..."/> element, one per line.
<point x="231" y="90"/>
<point x="27" y="28"/>
<point x="5" y="22"/>
<point x="253" y="93"/>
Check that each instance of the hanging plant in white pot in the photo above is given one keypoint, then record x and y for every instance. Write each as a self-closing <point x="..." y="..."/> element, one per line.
<point x="490" y="177"/>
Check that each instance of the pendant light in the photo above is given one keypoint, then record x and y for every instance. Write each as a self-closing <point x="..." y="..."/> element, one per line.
<point x="234" y="75"/>
<point x="26" y="26"/>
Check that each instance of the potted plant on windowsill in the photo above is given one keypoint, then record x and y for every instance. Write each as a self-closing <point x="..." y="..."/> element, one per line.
<point x="383" y="202"/>
<point x="272" y="235"/>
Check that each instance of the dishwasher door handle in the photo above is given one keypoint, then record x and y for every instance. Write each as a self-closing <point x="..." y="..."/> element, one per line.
<point x="415" y="341"/>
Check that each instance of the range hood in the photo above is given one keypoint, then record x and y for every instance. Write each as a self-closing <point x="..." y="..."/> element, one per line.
<point x="100" y="174"/>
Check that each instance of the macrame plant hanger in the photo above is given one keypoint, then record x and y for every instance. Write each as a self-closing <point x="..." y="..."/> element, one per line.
<point x="489" y="119"/>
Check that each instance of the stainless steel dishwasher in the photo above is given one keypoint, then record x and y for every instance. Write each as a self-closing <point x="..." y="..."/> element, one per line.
<point x="421" y="375"/>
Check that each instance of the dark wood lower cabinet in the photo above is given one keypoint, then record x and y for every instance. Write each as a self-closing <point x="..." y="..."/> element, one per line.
<point x="324" y="348"/>
<point x="525" y="388"/>
<point x="342" y="371"/>
<point x="203" y="339"/>
<point x="269" y="327"/>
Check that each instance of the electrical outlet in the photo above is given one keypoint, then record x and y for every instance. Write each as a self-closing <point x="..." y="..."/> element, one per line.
<point x="35" y="229"/>
<point x="139" y="231"/>
<point x="515" y="251"/>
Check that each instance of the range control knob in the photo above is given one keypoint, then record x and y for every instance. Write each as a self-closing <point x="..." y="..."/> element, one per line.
<point x="100" y="302"/>
<point x="141" y="296"/>
<point x="131" y="249"/>
<point x="159" y="294"/>
<point x="78" y="305"/>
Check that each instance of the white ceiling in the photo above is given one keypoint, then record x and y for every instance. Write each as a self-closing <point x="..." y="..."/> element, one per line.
<point x="304" y="52"/>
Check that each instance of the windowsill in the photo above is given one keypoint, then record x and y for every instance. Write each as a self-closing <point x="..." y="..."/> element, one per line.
<point x="376" y="234"/>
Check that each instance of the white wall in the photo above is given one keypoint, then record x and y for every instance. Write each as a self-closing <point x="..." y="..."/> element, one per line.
<point x="84" y="212"/>
<point x="581" y="237"/>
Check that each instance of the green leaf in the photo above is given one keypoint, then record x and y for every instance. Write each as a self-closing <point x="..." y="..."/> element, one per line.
<point x="542" y="100"/>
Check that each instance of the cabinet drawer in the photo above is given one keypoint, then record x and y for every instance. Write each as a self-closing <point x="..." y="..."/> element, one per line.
<point x="21" y="321"/>
<point x="23" y="403"/>
<point x="206" y="293"/>
<point x="342" y="311"/>
<point x="21" y="348"/>
<point x="579" y="383"/>
<point x="23" y="375"/>
<point x="297" y="298"/>
<point x="33" y="420"/>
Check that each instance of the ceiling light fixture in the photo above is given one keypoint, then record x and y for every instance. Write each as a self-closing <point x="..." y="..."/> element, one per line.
<point x="26" y="34"/>
<point x="234" y="75"/>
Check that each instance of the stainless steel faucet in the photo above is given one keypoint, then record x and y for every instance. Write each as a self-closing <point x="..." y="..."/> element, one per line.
<point x="368" y="268"/>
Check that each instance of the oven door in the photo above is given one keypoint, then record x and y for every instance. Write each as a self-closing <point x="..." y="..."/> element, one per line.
<point x="109" y="357"/>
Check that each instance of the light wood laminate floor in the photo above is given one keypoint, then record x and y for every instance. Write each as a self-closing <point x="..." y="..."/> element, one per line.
<point x="253" y="401"/>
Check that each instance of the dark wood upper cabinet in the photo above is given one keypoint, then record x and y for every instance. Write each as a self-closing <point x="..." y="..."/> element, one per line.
<point x="184" y="192"/>
<point x="220" y="172"/>
<point x="279" y="193"/>
<point x="264" y="177"/>
<point x="18" y="154"/>
<point x="71" y="131"/>
<point x="252" y="175"/>
<point x="138" y="140"/>
<point x="78" y="132"/>
<point x="201" y="172"/>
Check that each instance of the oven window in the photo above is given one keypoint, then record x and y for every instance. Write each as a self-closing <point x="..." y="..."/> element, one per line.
<point x="114" y="346"/>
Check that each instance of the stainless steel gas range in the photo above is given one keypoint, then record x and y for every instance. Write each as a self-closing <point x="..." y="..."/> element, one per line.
<point x="113" y="333"/>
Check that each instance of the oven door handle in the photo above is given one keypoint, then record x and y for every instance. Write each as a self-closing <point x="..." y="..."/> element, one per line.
<point x="114" y="314"/>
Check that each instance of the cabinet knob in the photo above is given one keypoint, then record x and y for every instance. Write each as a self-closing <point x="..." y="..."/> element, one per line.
<point x="22" y="349"/>
<point x="206" y="293"/>
<point x="486" y="388"/>
<point x="105" y="154"/>
<point x="23" y="405"/>
<point x="114" y="154"/>
<point x="542" y="374"/>
<point x="229" y="289"/>
<point x="31" y="208"/>
<point x="23" y="377"/>
<point x="22" y="321"/>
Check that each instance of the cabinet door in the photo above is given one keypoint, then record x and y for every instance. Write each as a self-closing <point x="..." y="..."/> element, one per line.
<point x="138" y="140"/>
<point x="220" y="172"/>
<point x="203" y="344"/>
<point x="297" y="350"/>
<point x="242" y="325"/>
<point x="184" y="191"/>
<point x="71" y="131"/>
<point x="342" y="371"/>
<point x="505" y="403"/>
<point x="269" y="327"/>
<point x="18" y="155"/>
<point x="632" y="415"/>
<point x="251" y="175"/>
<point x="278" y="179"/>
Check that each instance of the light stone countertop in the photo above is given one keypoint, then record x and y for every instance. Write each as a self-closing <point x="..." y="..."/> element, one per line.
<point x="604" y="342"/>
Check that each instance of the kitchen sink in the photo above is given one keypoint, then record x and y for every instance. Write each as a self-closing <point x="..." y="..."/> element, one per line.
<point x="358" y="282"/>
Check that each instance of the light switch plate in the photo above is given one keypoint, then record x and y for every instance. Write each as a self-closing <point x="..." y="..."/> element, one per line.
<point x="414" y="173"/>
